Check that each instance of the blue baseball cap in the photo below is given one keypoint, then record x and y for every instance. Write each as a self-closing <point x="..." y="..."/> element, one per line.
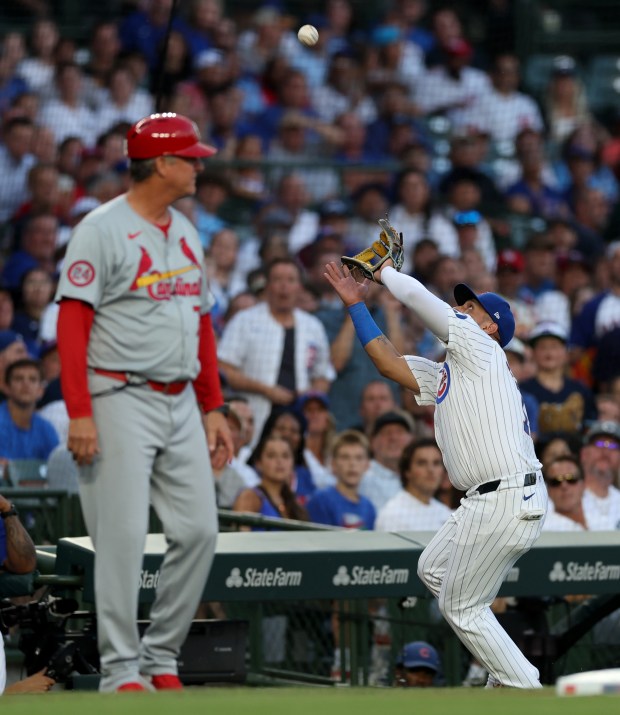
<point x="313" y="395"/>
<point x="419" y="654"/>
<point x="495" y="306"/>
<point x="467" y="218"/>
<point x="385" y="35"/>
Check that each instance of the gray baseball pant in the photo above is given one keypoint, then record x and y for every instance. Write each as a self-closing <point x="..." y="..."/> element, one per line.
<point x="153" y="450"/>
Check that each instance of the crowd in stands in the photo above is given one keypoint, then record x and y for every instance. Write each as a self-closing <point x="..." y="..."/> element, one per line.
<point x="491" y="184"/>
<point x="404" y="116"/>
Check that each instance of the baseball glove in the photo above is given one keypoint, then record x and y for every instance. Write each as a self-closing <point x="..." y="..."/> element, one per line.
<point x="388" y="245"/>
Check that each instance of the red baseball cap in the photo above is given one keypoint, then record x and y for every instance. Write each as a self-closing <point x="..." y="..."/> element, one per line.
<point x="509" y="258"/>
<point x="166" y="134"/>
<point x="458" y="47"/>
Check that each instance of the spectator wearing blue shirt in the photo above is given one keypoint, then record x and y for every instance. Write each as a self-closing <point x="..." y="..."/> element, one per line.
<point x="23" y="433"/>
<point x="144" y="30"/>
<point x="292" y="95"/>
<point x="212" y="190"/>
<point x="273" y="497"/>
<point x="342" y="505"/>
<point x="36" y="293"/>
<point x="540" y="268"/>
<point x="290" y="425"/>
<point x="38" y="247"/>
<point x="12" y="348"/>
<point x="532" y="195"/>
<point x="11" y="86"/>
<point x="597" y="325"/>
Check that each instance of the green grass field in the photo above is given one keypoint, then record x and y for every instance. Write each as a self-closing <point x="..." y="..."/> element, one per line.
<point x="313" y="701"/>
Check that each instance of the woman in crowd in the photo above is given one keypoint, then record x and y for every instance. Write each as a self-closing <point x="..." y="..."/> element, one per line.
<point x="566" y="104"/>
<point x="291" y="426"/>
<point x="320" y="432"/>
<point x="273" y="496"/>
<point x="556" y="444"/>
<point x="37" y="290"/>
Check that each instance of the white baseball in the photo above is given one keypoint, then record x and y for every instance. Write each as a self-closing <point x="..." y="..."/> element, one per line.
<point x="308" y="35"/>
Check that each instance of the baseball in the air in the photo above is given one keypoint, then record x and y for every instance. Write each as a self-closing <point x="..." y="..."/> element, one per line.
<point x="308" y="35"/>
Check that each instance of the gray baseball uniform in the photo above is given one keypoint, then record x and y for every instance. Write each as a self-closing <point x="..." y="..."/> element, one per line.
<point x="148" y="292"/>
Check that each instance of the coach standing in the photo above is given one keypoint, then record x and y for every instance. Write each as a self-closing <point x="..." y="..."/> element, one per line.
<point x="138" y="367"/>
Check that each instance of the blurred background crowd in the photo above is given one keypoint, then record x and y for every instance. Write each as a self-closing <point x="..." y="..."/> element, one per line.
<point x="500" y="166"/>
<point x="501" y="171"/>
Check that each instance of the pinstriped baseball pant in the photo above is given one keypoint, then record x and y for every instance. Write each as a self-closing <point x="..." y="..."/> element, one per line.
<point x="465" y="564"/>
<point x="153" y="450"/>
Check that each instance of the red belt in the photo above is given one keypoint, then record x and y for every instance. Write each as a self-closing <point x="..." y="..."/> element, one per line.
<point x="168" y="388"/>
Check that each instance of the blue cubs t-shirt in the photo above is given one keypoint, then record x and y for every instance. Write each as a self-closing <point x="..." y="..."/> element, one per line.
<point x="329" y="506"/>
<point x="34" y="443"/>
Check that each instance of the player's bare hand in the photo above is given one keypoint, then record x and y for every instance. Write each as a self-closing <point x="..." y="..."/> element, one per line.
<point x="344" y="283"/>
<point x="83" y="442"/>
<point x="219" y="439"/>
<point x="37" y="683"/>
<point x="280" y="395"/>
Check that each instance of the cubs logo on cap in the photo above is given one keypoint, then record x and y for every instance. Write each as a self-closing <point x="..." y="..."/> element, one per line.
<point x="419" y="654"/>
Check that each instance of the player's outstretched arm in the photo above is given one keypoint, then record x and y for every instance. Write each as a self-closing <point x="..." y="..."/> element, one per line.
<point x="386" y="358"/>
<point x="431" y="310"/>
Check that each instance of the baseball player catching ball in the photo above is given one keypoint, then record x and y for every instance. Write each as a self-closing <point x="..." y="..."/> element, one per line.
<point x="483" y="432"/>
<point x="140" y="379"/>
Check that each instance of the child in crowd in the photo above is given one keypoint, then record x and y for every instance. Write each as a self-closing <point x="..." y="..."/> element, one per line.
<point x="343" y="505"/>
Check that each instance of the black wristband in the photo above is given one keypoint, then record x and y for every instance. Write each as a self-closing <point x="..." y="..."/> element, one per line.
<point x="11" y="512"/>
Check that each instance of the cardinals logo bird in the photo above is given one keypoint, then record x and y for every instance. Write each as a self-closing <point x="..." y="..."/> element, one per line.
<point x="144" y="266"/>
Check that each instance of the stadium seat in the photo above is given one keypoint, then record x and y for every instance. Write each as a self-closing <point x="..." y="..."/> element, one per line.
<point x="537" y="73"/>
<point x="27" y="473"/>
<point x="606" y="65"/>
<point x="603" y="85"/>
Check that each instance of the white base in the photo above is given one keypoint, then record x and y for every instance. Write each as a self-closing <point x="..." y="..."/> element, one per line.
<point x="593" y="682"/>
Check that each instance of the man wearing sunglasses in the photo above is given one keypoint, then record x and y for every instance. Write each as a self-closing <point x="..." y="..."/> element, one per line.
<point x="564" y="479"/>
<point x="600" y="457"/>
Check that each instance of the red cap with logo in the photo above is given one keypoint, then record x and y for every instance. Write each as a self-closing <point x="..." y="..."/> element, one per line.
<point x="166" y="134"/>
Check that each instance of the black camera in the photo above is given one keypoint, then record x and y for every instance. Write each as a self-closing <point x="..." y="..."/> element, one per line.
<point x="53" y="635"/>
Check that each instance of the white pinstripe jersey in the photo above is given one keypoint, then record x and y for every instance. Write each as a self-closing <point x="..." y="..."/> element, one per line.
<point x="481" y="425"/>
